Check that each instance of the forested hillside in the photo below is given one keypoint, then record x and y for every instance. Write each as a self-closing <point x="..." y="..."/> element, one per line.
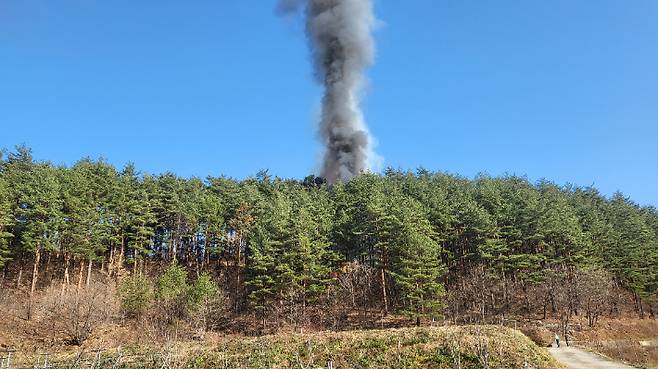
<point x="421" y="244"/>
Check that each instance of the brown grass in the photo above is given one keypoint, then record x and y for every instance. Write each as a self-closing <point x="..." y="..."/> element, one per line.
<point x="440" y="347"/>
<point x="633" y="341"/>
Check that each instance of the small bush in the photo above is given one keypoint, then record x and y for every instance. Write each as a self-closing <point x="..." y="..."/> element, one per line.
<point x="172" y="285"/>
<point x="171" y="300"/>
<point x="205" y="301"/>
<point x="172" y="294"/>
<point x="202" y="292"/>
<point x="135" y="294"/>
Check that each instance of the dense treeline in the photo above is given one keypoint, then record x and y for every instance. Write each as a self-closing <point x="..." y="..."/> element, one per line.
<point x="424" y="244"/>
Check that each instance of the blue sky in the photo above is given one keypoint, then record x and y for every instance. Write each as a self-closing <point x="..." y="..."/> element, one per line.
<point x="565" y="90"/>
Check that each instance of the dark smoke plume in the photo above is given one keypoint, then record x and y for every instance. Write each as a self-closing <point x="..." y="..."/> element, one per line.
<point x="342" y="47"/>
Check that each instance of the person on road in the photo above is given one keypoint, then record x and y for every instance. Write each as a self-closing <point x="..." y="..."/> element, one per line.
<point x="557" y="340"/>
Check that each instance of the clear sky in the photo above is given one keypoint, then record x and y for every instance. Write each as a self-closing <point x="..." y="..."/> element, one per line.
<point x="562" y="89"/>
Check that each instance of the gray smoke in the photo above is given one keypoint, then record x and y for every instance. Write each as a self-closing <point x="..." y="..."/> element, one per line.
<point x="342" y="47"/>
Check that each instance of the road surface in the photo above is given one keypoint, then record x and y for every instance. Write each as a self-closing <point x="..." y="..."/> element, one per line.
<point x="575" y="358"/>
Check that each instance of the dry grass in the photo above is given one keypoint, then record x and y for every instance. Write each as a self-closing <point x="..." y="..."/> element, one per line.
<point x="629" y="351"/>
<point x="633" y="341"/>
<point x="440" y="347"/>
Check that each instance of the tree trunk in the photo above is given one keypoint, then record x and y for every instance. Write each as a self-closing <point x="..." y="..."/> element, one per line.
<point x="20" y="276"/>
<point x="206" y="257"/>
<point x="237" y="273"/>
<point x="81" y="273"/>
<point x="119" y="266"/>
<point x="304" y="302"/>
<point x="89" y="273"/>
<point x="263" y="321"/>
<point x="198" y="266"/>
<point x="66" y="279"/>
<point x="110" y="261"/>
<point x="48" y="265"/>
<point x="174" y="250"/>
<point x="384" y="296"/>
<point x="35" y="275"/>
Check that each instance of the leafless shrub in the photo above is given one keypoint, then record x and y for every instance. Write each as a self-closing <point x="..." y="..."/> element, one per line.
<point x="356" y="284"/>
<point x="211" y="312"/>
<point x="596" y="286"/>
<point x="291" y="309"/>
<point x="476" y="297"/>
<point x="78" y="311"/>
<point x="354" y="291"/>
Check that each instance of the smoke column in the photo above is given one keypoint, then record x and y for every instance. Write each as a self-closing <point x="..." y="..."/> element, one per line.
<point x="342" y="47"/>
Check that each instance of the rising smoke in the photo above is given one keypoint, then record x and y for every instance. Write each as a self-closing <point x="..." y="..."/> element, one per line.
<point x="342" y="47"/>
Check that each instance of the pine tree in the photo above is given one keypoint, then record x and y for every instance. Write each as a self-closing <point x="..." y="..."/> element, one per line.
<point x="634" y="256"/>
<point x="87" y="217"/>
<point x="309" y="251"/>
<point x="266" y="267"/>
<point x="37" y="207"/>
<point x="213" y="224"/>
<point x="562" y="237"/>
<point x="6" y="218"/>
<point x="591" y="208"/>
<point x="417" y="270"/>
<point x="139" y="217"/>
<point x="260" y="274"/>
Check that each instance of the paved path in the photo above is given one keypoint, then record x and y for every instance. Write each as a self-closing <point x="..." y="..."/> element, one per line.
<point x="576" y="358"/>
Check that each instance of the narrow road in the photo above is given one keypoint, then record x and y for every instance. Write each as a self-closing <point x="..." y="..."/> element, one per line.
<point x="576" y="358"/>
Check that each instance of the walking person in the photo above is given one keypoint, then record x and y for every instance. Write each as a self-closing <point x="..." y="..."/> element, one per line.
<point x="557" y="340"/>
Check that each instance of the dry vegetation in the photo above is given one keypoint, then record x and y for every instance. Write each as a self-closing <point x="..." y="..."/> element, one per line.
<point x="440" y="347"/>
<point x="71" y="322"/>
<point x="76" y="313"/>
<point x="634" y="341"/>
<point x="164" y="329"/>
<point x="73" y="319"/>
